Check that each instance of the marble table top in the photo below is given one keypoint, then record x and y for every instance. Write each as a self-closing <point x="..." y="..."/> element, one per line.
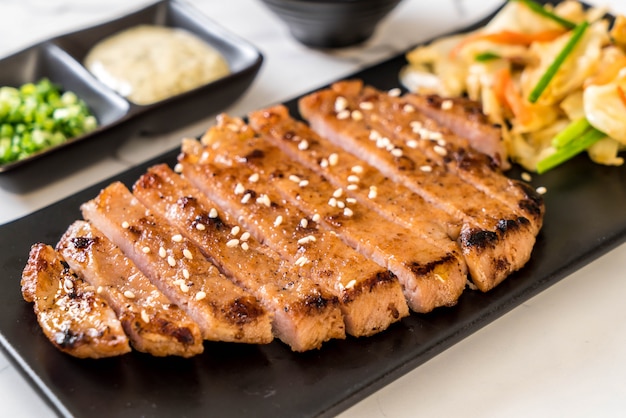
<point x="562" y="353"/>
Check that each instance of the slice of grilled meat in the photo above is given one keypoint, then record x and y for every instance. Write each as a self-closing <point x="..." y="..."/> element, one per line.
<point x="370" y="296"/>
<point x="71" y="314"/>
<point x="177" y="268"/>
<point x="430" y="276"/>
<point x="153" y="324"/>
<point x="304" y="315"/>
<point x="495" y="239"/>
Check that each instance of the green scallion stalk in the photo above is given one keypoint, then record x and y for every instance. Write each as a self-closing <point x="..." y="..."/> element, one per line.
<point x="574" y="130"/>
<point x="540" y="10"/>
<point x="486" y="56"/>
<point x="570" y="150"/>
<point x="545" y="79"/>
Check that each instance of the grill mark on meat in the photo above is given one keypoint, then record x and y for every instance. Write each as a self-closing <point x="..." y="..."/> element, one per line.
<point x="151" y="323"/>
<point x="304" y="316"/>
<point x="223" y="311"/>
<point x="395" y="247"/>
<point x="438" y="186"/>
<point x="72" y="316"/>
<point x="331" y="264"/>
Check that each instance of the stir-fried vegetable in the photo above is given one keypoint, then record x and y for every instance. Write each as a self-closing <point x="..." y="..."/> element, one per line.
<point x="37" y="116"/>
<point x="537" y="69"/>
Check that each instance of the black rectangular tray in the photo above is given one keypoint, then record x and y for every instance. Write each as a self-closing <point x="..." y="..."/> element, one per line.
<point x="585" y="218"/>
<point x="60" y="59"/>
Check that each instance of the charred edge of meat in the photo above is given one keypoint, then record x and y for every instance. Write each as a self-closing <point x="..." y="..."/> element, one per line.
<point x="68" y="339"/>
<point x="423" y="269"/>
<point x="313" y="304"/>
<point x="190" y="202"/>
<point x="381" y="278"/>
<point x="182" y="334"/>
<point x="507" y="225"/>
<point x="479" y="239"/>
<point x="468" y="161"/>
<point x="244" y="310"/>
<point x="533" y="204"/>
<point x="83" y="243"/>
<point x="255" y="154"/>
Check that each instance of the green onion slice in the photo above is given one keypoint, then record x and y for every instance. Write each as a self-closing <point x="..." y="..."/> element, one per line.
<point x="570" y="149"/>
<point x="540" y="10"/>
<point x="574" y="130"/>
<point x="545" y="79"/>
<point x="486" y="56"/>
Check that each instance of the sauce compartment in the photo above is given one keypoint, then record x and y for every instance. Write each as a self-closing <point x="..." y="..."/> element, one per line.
<point x="61" y="59"/>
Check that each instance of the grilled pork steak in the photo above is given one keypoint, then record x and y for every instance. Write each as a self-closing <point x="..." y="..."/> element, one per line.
<point x="304" y="315"/>
<point x="153" y="324"/>
<point x="496" y="239"/>
<point x="71" y="314"/>
<point x="370" y="296"/>
<point x="223" y="311"/>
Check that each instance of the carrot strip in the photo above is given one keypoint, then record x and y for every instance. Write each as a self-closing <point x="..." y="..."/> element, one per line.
<point x="507" y="94"/>
<point x="507" y="37"/>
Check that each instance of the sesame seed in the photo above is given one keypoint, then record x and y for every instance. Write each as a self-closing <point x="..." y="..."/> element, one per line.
<point x="171" y="261"/>
<point x="303" y="145"/>
<point x="184" y="288"/>
<point x="435" y="136"/>
<point x="394" y="92"/>
<point x="426" y="168"/>
<point x="205" y="156"/>
<point x="278" y="220"/>
<point x="526" y="176"/>
<point x="348" y="212"/>
<point x="541" y="190"/>
<point x="145" y="250"/>
<point x="397" y="152"/>
<point x="316" y="217"/>
<point x="306" y="240"/>
<point x="68" y="285"/>
<point x="341" y="104"/>
<point x="304" y="222"/>
<point x="265" y="200"/>
<point x="341" y="204"/>
<point x="356" y="115"/>
<point x="440" y="150"/>
<point x="235" y="230"/>
<point x="232" y="243"/>
<point x="411" y="143"/>
<point x="337" y="193"/>
<point x="162" y="252"/>
<point x="407" y="108"/>
<point x="213" y="213"/>
<point x="245" y="246"/>
<point x="441" y="142"/>
<point x="352" y="187"/>
<point x="301" y="261"/>
<point x="187" y="254"/>
<point x="332" y="202"/>
<point x="100" y="289"/>
<point x="344" y="114"/>
<point x="383" y="142"/>
<point x="447" y="104"/>
<point x="129" y="294"/>
<point x="254" y="178"/>
<point x="178" y="168"/>
<point x="416" y="125"/>
<point x="303" y="183"/>
<point x="186" y="274"/>
<point x="246" y="198"/>
<point x="366" y="105"/>
<point x="351" y="200"/>
<point x="373" y="193"/>
<point x="144" y="316"/>
<point x="245" y="236"/>
<point x="239" y="189"/>
<point x="125" y="225"/>
<point x="390" y="147"/>
<point x="177" y="238"/>
<point x="351" y="284"/>
<point x="357" y="169"/>
<point x="374" y="135"/>
<point x="200" y="295"/>
<point x="200" y="227"/>
<point x="353" y="179"/>
<point x="333" y="159"/>
<point x="324" y="163"/>
<point x="295" y="178"/>
<point x="439" y="277"/>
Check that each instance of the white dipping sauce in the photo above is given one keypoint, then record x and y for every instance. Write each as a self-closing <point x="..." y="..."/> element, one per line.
<point x="149" y="63"/>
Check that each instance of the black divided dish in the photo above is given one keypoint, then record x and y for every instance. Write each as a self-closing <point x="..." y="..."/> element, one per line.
<point x="585" y="218"/>
<point x="60" y="59"/>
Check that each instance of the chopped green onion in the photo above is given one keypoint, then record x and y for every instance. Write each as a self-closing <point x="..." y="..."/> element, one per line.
<point x="545" y="79"/>
<point x="539" y="9"/>
<point x="574" y="130"/>
<point x="570" y="150"/>
<point x="486" y="56"/>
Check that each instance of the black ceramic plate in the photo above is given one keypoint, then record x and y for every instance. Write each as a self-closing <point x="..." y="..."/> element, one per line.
<point x="585" y="218"/>
<point x="60" y="59"/>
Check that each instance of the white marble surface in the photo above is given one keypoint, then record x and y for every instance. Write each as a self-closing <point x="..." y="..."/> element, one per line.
<point x="562" y="353"/>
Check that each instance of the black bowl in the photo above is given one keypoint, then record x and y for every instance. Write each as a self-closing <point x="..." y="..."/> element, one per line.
<point x="331" y="23"/>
